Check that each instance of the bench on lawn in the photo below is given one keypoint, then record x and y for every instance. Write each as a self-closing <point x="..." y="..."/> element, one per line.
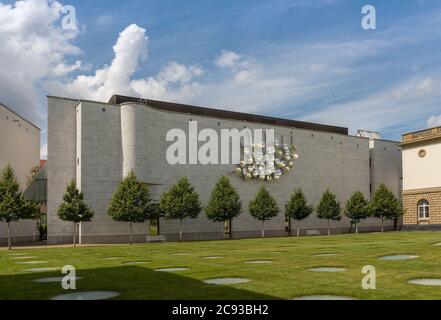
<point x="158" y="238"/>
<point x="313" y="232"/>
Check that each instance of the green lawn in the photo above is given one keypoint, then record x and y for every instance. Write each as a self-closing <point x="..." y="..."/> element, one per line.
<point x="287" y="277"/>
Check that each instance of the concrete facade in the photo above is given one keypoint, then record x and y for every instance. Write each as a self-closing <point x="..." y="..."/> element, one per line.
<point x="422" y="179"/>
<point x="20" y="148"/>
<point x="97" y="143"/>
<point x="386" y="165"/>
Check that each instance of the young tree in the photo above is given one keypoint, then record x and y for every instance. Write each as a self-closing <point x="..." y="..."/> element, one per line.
<point x="357" y="208"/>
<point x="298" y="208"/>
<point x="385" y="205"/>
<point x="12" y="202"/>
<point x="263" y="207"/>
<point x="224" y="203"/>
<point x="329" y="209"/>
<point x="31" y="210"/>
<point x="131" y="202"/>
<point x="73" y="208"/>
<point x="180" y="202"/>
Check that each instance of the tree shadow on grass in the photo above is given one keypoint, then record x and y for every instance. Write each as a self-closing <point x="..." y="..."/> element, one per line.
<point x="132" y="282"/>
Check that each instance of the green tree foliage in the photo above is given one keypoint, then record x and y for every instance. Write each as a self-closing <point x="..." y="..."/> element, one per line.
<point x="356" y="209"/>
<point x="73" y="208"/>
<point x="12" y="203"/>
<point x="329" y="208"/>
<point x="263" y="207"/>
<point x="224" y="203"/>
<point x="385" y="205"/>
<point x="180" y="202"/>
<point x="131" y="202"/>
<point x="298" y="208"/>
<point x="31" y="210"/>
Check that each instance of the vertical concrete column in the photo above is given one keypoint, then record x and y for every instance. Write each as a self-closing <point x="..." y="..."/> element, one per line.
<point x="134" y="137"/>
<point x="79" y="137"/>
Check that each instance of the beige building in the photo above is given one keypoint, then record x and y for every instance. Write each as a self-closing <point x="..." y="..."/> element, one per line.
<point x="19" y="147"/>
<point x="422" y="179"/>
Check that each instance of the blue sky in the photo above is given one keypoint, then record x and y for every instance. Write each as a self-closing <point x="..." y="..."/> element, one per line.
<point x="300" y="59"/>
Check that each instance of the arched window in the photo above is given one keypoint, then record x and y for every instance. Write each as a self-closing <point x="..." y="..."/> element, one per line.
<point x="423" y="209"/>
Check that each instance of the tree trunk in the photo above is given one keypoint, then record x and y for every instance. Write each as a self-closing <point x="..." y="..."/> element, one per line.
<point x="329" y="228"/>
<point x="298" y="231"/>
<point x="80" y="234"/>
<point x="263" y="229"/>
<point x="130" y="233"/>
<point x="9" y="236"/>
<point x="75" y="234"/>
<point x="35" y="230"/>
<point x="382" y="224"/>
<point x="180" y="230"/>
<point x="356" y="228"/>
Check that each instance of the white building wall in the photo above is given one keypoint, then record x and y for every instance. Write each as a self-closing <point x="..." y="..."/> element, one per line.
<point x="19" y="147"/>
<point x="421" y="173"/>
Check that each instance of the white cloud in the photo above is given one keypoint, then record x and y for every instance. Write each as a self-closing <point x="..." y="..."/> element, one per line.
<point x="434" y="121"/>
<point x="62" y="68"/>
<point x="394" y="107"/>
<point x="174" y="72"/>
<point x="284" y="81"/>
<point x="289" y="77"/>
<point x="33" y="47"/>
<point x="247" y="75"/>
<point x="174" y="81"/>
<point x="227" y="59"/>
<point x="43" y="151"/>
<point x="414" y="88"/>
<point x="104" y="19"/>
<point x="331" y="82"/>
<point x="425" y="86"/>
<point x="129" y="50"/>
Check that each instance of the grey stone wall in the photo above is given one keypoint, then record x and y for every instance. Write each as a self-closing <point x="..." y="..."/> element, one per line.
<point x="386" y="165"/>
<point x="61" y="163"/>
<point x="116" y="139"/>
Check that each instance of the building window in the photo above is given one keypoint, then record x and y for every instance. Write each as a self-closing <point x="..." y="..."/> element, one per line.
<point x="422" y="153"/>
<point x="423" y="209"/>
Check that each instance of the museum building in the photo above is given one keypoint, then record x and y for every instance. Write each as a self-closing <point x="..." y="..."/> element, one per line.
<point x="98" y="143"/>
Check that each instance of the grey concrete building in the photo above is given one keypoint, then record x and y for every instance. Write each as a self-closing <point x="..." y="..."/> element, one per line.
<point x="98" y="143"/>
<point x="20" y="148"/>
